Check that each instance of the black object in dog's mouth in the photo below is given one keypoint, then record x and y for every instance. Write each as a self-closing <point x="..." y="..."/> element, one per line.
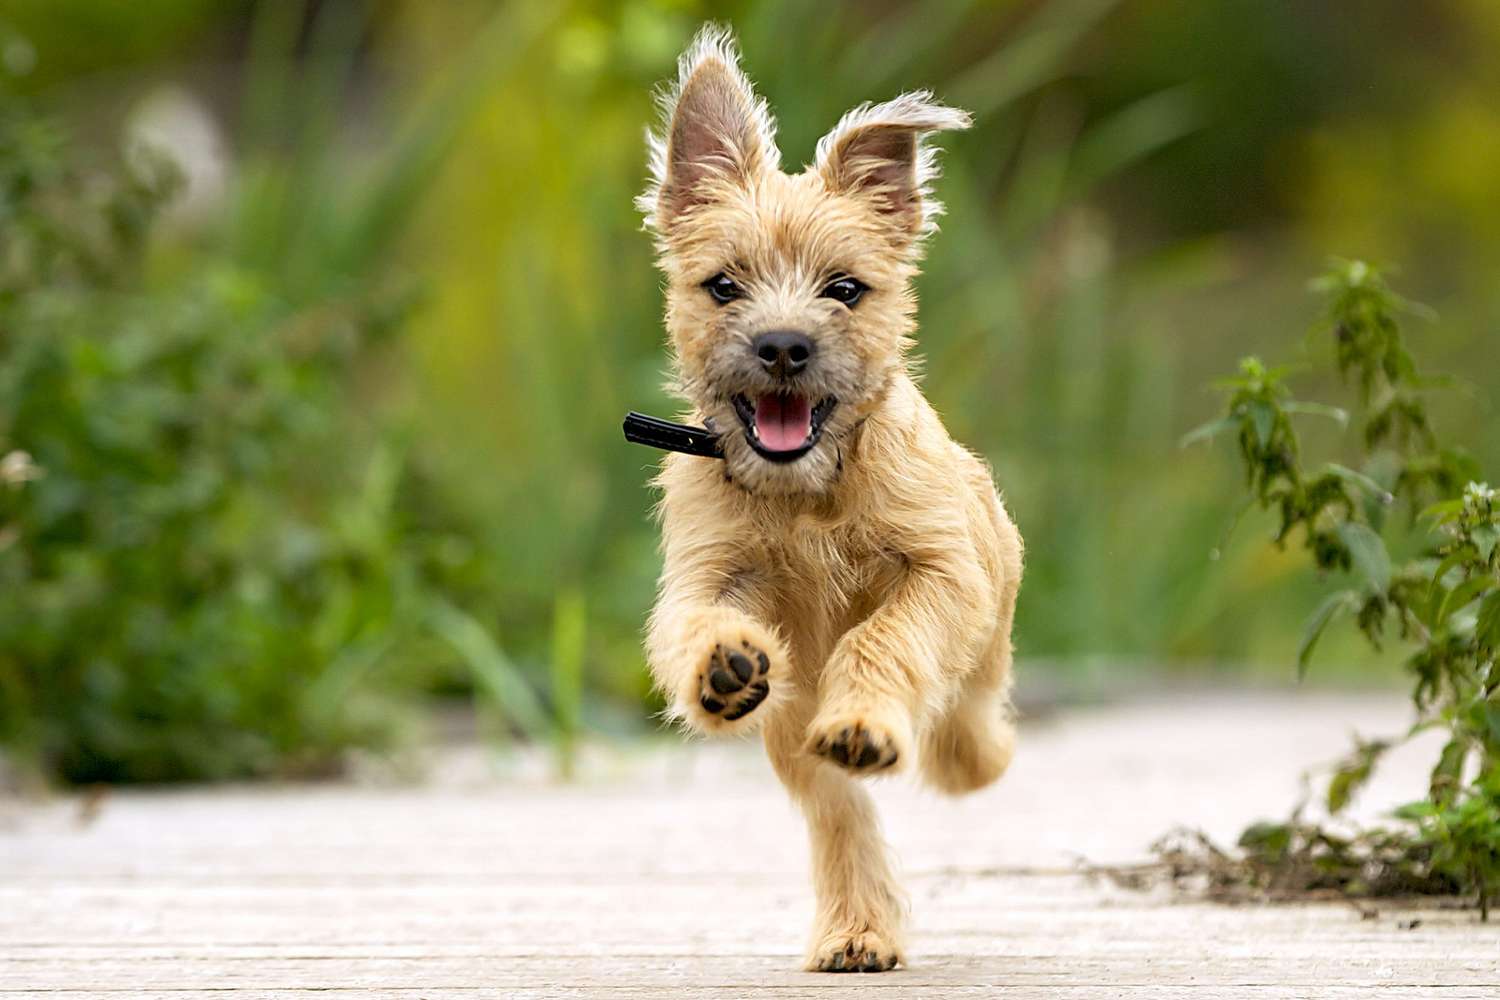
<point x="782" y="427"/>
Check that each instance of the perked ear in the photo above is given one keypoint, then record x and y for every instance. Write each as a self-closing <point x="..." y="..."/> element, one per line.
<point x="877" y="151"/>
<point x="715" y="131"/>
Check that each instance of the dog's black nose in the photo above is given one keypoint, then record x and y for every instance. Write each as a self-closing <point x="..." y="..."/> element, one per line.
<point x="783" y="352"/>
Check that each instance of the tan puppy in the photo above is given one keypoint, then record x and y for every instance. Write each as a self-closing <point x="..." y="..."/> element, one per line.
<point x="845" y="579"/>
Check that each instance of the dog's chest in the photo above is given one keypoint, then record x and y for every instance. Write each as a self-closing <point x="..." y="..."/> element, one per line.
<point x="829" y="579"/>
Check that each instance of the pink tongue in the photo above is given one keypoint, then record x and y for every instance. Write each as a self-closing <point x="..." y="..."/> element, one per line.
<point x="783" y="423"/>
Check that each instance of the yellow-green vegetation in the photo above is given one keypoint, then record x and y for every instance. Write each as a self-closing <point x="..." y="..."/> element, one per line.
<point x="362" y="398"/>
<point x="205" y="568"/>
<point x="219" y="552"/>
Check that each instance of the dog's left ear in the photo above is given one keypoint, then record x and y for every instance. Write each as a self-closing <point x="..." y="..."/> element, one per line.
<point x="877" y="151"/>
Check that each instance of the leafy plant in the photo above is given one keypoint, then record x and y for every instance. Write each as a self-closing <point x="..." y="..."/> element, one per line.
<point x="218" y="555"/>
<point x="1443" y="602"/>
<point x="191" y="572"/>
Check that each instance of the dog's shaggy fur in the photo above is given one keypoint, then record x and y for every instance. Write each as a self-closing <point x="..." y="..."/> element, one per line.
<point x="854" y="603"/>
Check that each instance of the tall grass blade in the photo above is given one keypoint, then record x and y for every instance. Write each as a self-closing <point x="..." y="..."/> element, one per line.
<point x="495" y="677"/>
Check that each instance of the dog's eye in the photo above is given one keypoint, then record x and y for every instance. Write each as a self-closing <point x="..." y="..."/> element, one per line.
<point x="845" y="290"/>
<point x="722" y="288"/>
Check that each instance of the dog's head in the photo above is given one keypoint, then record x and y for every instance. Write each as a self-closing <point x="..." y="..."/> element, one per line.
<point x="789" y="299"/>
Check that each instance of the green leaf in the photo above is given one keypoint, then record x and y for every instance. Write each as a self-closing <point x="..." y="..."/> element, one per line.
<point x="1485" y="539"/>
<point x="1267" y="841"/>
<point x="1361" y="480"/>
<point x="1342" y="602"/>
<point x="1492" y="720"/>
<point x="1447" y="566"/>
<point x="1442" y="512"/>
<point x="1340" y="789"/>
<point x="1427" y="611"/>
<point x="494" y="674"/>
<point x="1354" y="773"/>
<point x="1487" y="628"/>
<point x="1482" y="718"/>
<point x="1448" y="773"/>
<point x="1368" y="552"/>
<point x="1461" y="597"/>
<point x="1415" y="810"/>
<point x="1263" y="417"/>
<point x="1318" y="410"/>
<point x="1207" y="431"/>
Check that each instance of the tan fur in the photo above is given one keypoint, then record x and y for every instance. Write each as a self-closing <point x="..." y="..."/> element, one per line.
<point x="878" y="573"/>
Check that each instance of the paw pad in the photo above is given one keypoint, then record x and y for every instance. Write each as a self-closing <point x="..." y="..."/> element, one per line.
<point x="734" y="681"/>
<point x="858" y="747"/>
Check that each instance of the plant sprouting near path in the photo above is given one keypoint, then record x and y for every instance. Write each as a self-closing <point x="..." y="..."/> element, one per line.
<point x="1409" y="492"/>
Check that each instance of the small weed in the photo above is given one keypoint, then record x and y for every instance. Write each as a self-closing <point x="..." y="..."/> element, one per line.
<point x="1444" y="603"/>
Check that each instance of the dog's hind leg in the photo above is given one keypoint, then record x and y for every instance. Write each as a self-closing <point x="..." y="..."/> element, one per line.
<point x="861" y="908"/>
<point x="970" y="741"/>
<point x="970" y="744"/>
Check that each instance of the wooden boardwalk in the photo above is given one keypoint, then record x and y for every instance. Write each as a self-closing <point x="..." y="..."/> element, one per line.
<point x="681" y="872"/>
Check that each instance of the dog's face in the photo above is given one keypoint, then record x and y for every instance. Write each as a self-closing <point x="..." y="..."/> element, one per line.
<point x="789" y="299"/>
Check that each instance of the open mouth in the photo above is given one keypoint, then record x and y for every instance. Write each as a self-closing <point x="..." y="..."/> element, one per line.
<point x="782" y="427"/>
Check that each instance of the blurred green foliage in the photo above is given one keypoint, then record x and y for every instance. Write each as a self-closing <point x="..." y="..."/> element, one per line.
<point x="1068" y="318"/>
<point x="220" y="556"/>
<point x="438" y="196"/>
<point x="205" y="562"/>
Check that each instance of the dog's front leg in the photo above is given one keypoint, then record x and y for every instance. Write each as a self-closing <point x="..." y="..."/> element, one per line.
<point x="713" y="659"/>
<point x="899" y="663"/>
<point x="861" y="909"/>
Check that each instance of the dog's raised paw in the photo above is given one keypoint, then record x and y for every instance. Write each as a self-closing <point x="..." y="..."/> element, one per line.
<point x="863" y="951"/>
<point x="858" y="746"/>
<point x="734" y="681"/>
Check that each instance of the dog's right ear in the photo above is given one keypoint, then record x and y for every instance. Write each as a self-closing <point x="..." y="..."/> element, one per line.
<point x="716" y="132"/>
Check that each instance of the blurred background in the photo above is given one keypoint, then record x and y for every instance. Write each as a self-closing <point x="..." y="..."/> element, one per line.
<point x="317" y="321"/>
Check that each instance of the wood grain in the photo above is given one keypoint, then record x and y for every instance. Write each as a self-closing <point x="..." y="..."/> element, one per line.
<point x="672" y="870"/>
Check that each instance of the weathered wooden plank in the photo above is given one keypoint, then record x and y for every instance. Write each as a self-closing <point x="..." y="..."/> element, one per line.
<point x="708" y="971"/>
<point x="889" y="985"/>
<point x="1014" y="909"/>
<point x="468" y="887"/>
